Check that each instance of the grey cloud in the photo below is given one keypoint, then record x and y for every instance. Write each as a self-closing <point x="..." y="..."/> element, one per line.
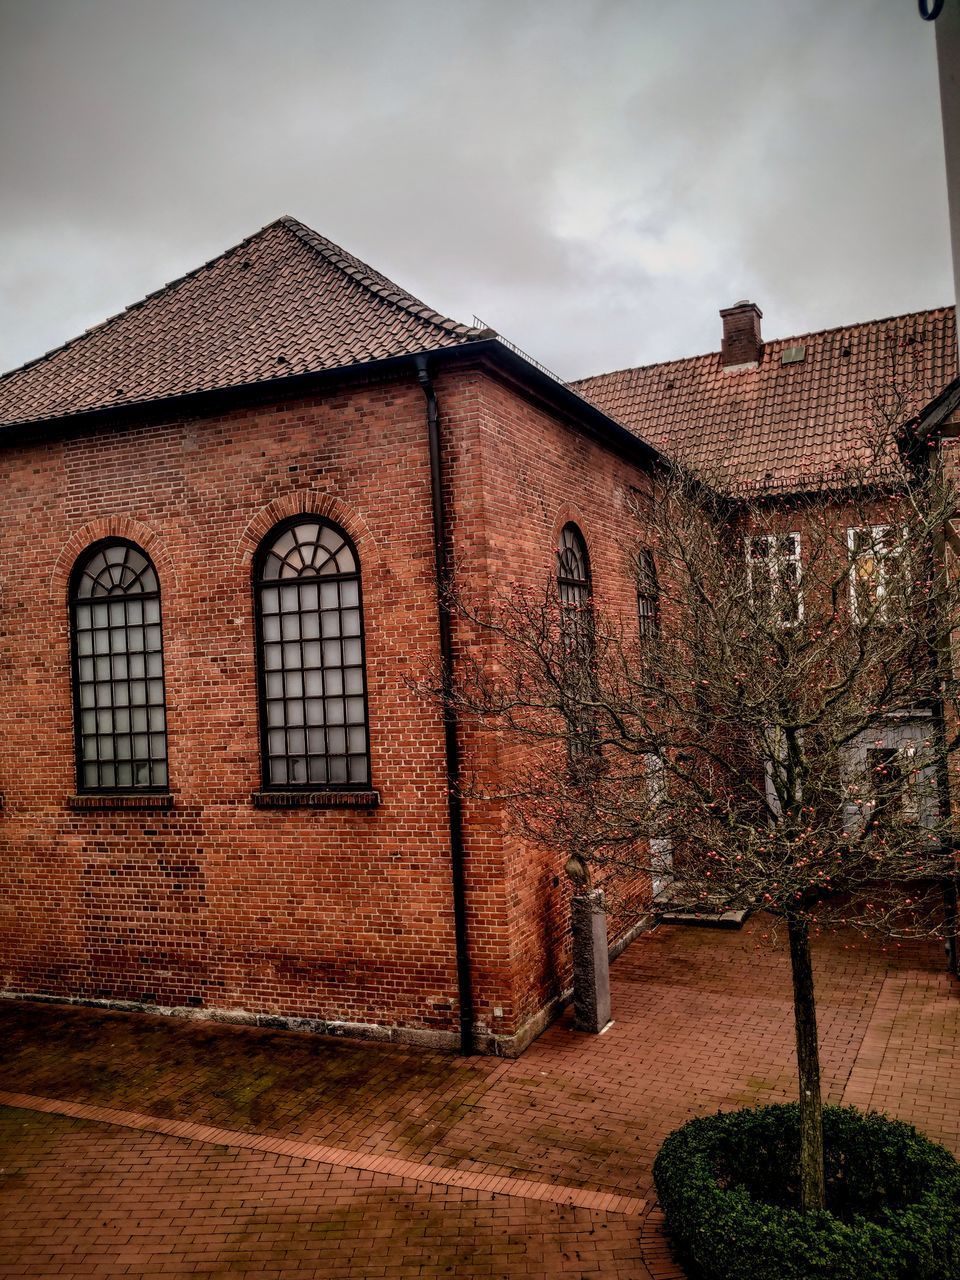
<point x="593" y="178"/>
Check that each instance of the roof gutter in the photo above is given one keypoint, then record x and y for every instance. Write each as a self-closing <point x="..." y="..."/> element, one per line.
<point x="224" y="399"/>
<point x="562" y="396"/>
<point x="451" y="736"/>
<point x="934" y="414"/>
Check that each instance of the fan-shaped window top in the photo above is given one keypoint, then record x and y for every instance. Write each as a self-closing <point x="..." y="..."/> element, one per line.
<point x="309" y="549"/>
<point x="573" y="568"/>
<point x="119" y="569"/>
<point x="313" y="702"/>
<point x="118" y="691"/>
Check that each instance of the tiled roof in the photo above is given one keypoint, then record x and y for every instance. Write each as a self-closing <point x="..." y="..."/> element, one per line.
<point x="283" y="302"/>
<point x="781" y="425"/>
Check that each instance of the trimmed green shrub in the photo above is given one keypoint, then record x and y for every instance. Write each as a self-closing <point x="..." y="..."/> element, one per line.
<point x="729" y="1187"/>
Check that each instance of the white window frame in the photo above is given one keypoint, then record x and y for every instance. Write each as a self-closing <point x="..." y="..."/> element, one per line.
<point x="771" y="563"/>
<point x="894" y="557"/>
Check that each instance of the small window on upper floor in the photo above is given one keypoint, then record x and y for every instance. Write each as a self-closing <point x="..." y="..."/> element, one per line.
<point x="774" y="574"/>
<point x="575" y="589"/>
<point x="878" y="572"/>
<point x="311" y="674"/>
<point x="648" y="596"/>
<point x="117" y="649"/>
<point x="573" y="581"/>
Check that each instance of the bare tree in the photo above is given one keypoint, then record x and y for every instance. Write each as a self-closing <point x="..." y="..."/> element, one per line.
<point x="781" y="710"/>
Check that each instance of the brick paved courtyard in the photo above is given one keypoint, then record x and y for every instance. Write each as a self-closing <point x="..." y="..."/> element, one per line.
<point x="146" y="1146"/>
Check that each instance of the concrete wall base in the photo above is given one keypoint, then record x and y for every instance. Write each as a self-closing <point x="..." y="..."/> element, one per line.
<point x="428" y="1037"/>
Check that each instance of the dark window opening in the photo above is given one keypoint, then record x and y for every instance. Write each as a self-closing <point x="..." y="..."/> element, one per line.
<point x="313" y="697"/>
<point x="118" y="692"/>
<point x="648" y="596"/>
<point x="576" y="620"/>
<point x="887" y="787"/>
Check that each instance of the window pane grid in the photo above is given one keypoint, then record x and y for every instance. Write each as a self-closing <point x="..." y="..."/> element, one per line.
<point x="573" y="586"/>
<point x="878" y="572"/>
<point x="576" y="622"/>
<point x="774" y="572"/>
<point x="648" y="596"/>
<point x="312" y="674"/>
<point x="118" y="672"/>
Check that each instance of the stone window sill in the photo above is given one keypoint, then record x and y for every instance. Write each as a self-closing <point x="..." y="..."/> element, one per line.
<point x="316" y="799"/>
<point x="136" y="802"/>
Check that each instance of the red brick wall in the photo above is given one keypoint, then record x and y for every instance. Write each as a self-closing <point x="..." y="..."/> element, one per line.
<point x="323" y="914"/>
<point x="520" y="472"/>
<point x="949" y="458"/>
<point x="340" y="916"/>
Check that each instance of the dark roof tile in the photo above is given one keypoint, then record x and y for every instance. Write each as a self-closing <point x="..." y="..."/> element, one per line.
<point x="783" y="425"/>
<point x="284" y="301"/>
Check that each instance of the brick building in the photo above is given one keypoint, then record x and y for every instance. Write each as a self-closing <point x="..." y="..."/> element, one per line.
<point x="227" y="511"/>
<point x="224" y="512"/>
<point x="791" y="424"/>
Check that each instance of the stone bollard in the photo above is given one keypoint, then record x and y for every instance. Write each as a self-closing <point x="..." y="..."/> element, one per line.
<point x="591" y="962"/>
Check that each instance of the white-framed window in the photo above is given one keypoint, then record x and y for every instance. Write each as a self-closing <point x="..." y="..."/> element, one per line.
<point x="774" y="573"/>
<point x="775" y="768"/>
<point x="877" y="572"/>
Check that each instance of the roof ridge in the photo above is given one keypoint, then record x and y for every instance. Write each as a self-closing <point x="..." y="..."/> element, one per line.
<point x="862" y="324"/>
<point x="635" y="368"/>
<point x="793" y="337"/>
<point x="375" y="281"/>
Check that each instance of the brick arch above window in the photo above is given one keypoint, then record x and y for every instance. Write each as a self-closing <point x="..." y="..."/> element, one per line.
<point x="569" y="513"/>
<point x="124" y="527"/>
<point x="307" y="504"/>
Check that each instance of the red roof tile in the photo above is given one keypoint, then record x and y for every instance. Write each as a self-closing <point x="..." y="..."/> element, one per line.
<point x="285" y="301"/>
<point x="780" y="425"/>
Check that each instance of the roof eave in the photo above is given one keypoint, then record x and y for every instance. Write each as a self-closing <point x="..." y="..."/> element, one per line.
<point x="935" y="414"/>
<point x="552" y="389"/>
<point x="598" y="423"/>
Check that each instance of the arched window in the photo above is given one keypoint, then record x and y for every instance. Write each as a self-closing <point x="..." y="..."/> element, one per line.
<point x="573" y="579"/>
<point x="118" y="695"/>
<point x="648" y="595"/>
<point x="576" y="619"/>
<point x="313" y="700"/>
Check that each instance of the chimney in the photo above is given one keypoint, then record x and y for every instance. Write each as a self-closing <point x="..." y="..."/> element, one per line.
<point x="742" y="345"/>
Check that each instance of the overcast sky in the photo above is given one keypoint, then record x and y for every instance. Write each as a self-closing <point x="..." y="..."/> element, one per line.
<point x="593" y="178"/>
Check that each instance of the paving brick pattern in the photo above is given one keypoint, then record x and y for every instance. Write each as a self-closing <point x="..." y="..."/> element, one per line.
<point x="324" y="1157"/>
<point x="121" y="1204"/>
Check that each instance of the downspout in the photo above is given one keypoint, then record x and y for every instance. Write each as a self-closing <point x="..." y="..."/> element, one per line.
<point x="451" y="738"/>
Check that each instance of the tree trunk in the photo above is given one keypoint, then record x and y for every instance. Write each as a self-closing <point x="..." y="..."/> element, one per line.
<point x="812" y="1187"/>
